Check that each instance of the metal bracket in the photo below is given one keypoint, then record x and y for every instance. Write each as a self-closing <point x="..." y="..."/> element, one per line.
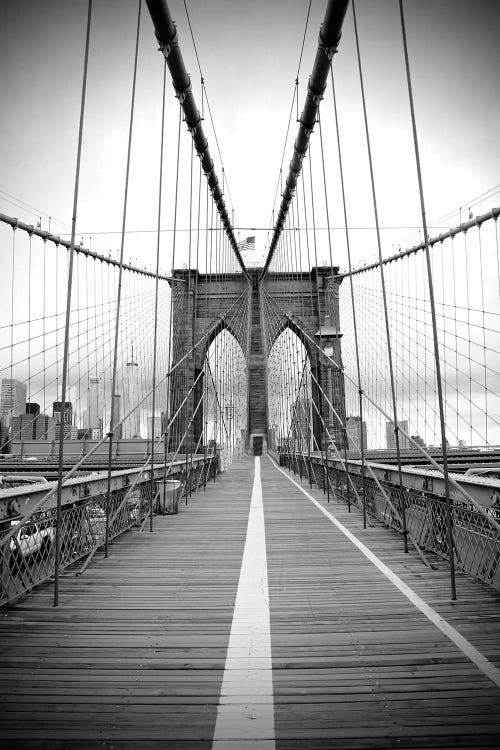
<point x="330" y="52"/>
<point x="166" y="47"/>
<point x="194" y="128"/>
<point x="181" y="95"/>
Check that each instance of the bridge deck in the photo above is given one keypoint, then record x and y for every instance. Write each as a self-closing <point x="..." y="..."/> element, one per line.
<point x="134" y="657"/>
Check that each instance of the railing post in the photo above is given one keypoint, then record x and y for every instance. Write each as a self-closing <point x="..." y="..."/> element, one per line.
<point x="346" y="469"/>
<point x="204" y="468"/>
<point x="327" y="476"/>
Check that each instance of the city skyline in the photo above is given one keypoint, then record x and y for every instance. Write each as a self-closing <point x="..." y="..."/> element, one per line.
<point x="255" y="101"/>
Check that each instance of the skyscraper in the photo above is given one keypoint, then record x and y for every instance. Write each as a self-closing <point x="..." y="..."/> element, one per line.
<point x="66" y="409"/>
<point x="355" y="429"/>
<point x="390" y="437"/>
<point x="132" y="424"/>
<point x="33" y="427"/>
<point x="12" y="399"/>
<point x="57" y="409"/>
<point x="94" y="406"/>
<point x="117" y="415"/>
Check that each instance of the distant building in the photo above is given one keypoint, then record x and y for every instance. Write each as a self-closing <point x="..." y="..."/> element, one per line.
<point x="94" y="410"/>
<point x="87" y="433"/>
<point x="84" y="433"/>
<point x="116" y="416"/>
<point x="57" y="409"/>
<point x="70" y="431"/>
<point x="45" y="427"/>
<point x="32" y="408"/>
<point x="4" y="437"/>
<point x="63" y="413"/>
<point x="12" y="399"/>
<point x="33" y="427"/>
<point x="23" y="427"/>
<point x="355" y="429"/>
<point x="131" y="388"/>
<point x="390" y="437"/>
<point x="418" y="440"/>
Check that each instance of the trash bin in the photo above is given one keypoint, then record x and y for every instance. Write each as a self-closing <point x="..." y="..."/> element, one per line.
<point x="168" y="496"/>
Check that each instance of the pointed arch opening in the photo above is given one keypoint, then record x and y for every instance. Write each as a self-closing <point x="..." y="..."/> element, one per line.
<point x="225" y="396"/>
<point x="292" y="407"/>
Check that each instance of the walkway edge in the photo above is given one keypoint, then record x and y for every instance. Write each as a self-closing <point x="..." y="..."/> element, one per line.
<point x="470" y="651"/>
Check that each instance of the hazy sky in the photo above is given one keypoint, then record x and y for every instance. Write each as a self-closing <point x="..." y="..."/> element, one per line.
<point x="249" y="54"/>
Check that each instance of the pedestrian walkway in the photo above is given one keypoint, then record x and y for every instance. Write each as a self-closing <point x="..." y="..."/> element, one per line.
<point x="254" y="620"/>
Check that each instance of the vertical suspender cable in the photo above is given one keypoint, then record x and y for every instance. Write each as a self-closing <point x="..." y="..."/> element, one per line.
<point x="120" y="275"/>
<point x="172" y="378"/>
<point x="382" y="280"/>
<point x="155" y="335"/>
<point x="353" y="306"/>
<point x="29" y="320"/>
<point x="188" y="424"/>
<point x="68" y="315"/>
<point x="12" y="297"/>
<point x="449" y="518"/>
<point x="326" y="191"/>
<point x="57" y="319"/>
<point x="43" y="324"/>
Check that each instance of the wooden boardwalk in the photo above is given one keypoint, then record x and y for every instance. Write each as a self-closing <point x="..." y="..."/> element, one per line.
<point x="134" y="657"/>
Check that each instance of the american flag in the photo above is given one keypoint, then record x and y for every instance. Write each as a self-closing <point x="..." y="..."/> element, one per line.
<point x="247" y="245"/>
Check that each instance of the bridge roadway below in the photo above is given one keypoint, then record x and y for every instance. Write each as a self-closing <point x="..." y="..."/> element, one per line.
<point x="188" y="638"/>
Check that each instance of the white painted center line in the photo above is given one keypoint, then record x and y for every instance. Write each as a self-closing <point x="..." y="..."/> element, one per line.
<point x="245" y="715"/>
<point x="465" y="646"/>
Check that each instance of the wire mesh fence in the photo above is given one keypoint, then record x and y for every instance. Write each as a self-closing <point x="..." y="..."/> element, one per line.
<point x="476" y="539"/>
<point x="28" y="547"/>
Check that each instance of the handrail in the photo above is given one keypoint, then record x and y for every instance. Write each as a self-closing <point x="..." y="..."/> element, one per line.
<point x="477" y="221"/>
<point x="79" y="249"/>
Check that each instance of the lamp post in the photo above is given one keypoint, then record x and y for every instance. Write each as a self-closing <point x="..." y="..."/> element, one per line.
<point x="328" y="337"/>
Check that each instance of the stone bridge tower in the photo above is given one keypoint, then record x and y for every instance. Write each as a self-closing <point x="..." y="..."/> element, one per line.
<point x="201" y="302"/>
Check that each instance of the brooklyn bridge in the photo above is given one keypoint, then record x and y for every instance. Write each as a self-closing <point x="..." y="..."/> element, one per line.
<point x="249" y="467"/>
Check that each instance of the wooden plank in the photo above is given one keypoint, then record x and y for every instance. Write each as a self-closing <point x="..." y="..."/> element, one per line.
<point x="134" y="656"/>
<point x="332" y="610"/>
<point x="135" y="652"/>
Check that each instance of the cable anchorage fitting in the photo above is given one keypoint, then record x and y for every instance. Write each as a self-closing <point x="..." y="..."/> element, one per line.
<point x="330" y="52"/>
<point x="317" y="97"/>
<point x="193" y="128"/>
<point x="166" y="47"/>
<point x="181" y="95"/>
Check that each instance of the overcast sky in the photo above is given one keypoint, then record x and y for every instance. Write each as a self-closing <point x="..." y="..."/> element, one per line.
<point x="249" y="54"/>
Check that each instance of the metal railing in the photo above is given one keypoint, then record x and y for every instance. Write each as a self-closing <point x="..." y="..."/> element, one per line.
<point x="27" y="544"/>
<point x="476" y="534"/>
